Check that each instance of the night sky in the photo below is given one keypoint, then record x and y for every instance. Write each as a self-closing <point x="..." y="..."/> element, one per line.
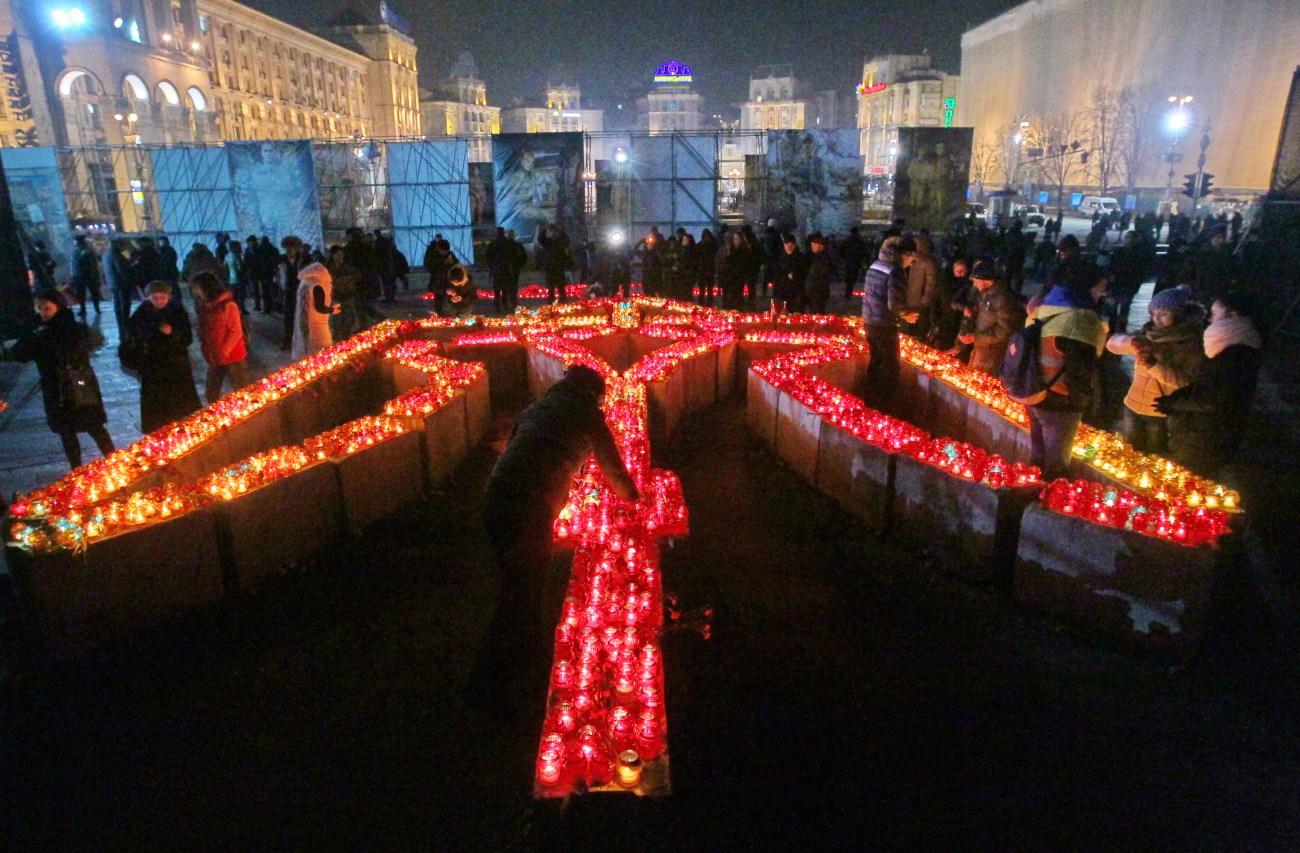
<point x="612" y="48"/>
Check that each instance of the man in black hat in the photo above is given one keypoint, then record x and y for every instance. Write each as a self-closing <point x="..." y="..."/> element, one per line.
<point x="526" y="491"/>
<point x="995" y="316"/>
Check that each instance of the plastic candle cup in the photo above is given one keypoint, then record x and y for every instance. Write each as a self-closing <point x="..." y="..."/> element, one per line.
<point x="629" y="768"/>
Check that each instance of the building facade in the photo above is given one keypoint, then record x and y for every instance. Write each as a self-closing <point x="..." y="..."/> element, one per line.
<point x="672" y="105"/>
<point x="185" y="71"/>
<point x="774" y="101"/>
<point x="459" y="108"/>
<point x="563" y="113"/>
<point x="1043" y="62"/>
<point x="900" y="91"/>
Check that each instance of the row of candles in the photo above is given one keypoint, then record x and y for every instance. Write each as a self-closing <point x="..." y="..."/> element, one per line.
<point x="101" y="478"/>
<point x="75" y="528"/>
<point x="1114" y="507"/>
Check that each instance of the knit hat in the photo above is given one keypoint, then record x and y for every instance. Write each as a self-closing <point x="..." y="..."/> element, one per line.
<point x="1172" y="300"/>
<point x="984" y="271"/>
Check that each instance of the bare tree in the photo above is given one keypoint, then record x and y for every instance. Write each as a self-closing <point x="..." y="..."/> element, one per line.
<point x="1138" y="116"/>
<point x="987" y="160"/>
<point x="1059" y="137"/>
<point x="1101" y="118"/>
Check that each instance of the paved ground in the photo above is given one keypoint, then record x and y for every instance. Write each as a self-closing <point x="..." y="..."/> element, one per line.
<point x="852" y="697"/>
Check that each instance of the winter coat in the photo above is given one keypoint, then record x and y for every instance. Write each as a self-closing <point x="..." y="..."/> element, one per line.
<point x="923" y="287"/>
<point x="1207" y="418"/>
<point x="201" y="260"/>
<point x="1072" y="338"/>
<point x="884" y="294"/>
<point x="85" y="268"/>
<point x="61" y="342"/>
<point x="311" y="322"/>
<point x="818" y="281"/>
<point x="167" y="390"/>
<point x="1167" y="359"/>
<point x="530" y="482"/>
<point x="119" y="274"/>
<point x="791" y="274"/>
<point x="221" y="331"/>
<point x="998" y="315"/>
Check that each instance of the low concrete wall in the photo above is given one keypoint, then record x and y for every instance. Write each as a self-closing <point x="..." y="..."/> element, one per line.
<point x="135" y="580"/>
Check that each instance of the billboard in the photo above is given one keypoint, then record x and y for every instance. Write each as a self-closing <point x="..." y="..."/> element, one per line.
<point x="814" y="180"/>
<point x="275" y="189"/>
<point x="537" y="180"/>
<point x="352" y="183"/>
<point x="931" y="175"/>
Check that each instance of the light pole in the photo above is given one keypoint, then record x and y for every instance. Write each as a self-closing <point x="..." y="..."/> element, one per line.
<point x="1177" y="122"/>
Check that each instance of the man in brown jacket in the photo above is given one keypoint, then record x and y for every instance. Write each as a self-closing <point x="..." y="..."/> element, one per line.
<point x="996" y="315"/>
<point x="923" y="286"/>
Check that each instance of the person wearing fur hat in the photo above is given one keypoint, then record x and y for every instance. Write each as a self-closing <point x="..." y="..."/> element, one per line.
<point x="1169" y="355"/>
<point x="1207" y="418"/>
<point x="311" y="325"/>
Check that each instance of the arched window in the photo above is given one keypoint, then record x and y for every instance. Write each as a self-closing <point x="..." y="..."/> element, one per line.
<point x="167" y="94"/>
<point x="133" y="88"/>
<point x="196" y="98"/>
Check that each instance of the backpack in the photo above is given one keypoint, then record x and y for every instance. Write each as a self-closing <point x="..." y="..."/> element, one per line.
<point x="1021" y="372"/>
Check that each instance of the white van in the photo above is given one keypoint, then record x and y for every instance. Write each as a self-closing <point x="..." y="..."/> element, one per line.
<point x="1097" y="204"/>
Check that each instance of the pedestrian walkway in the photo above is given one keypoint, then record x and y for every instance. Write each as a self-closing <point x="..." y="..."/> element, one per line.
<point x="852" y="696"/>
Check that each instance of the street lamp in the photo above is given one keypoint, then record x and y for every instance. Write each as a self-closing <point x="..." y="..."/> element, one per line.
<point x="1177" y="122"/>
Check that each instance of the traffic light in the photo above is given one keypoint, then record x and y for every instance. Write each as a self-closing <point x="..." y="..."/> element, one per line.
<point x="1193" y="190"/>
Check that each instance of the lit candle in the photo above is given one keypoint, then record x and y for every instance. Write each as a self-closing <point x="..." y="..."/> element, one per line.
<point x="629" y="768"/>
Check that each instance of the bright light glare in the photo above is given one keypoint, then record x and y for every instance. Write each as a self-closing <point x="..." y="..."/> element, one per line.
<point x="1178" y="121"/>
<point x="76" y="16"/>
<point x="615" y="237"/>
<point x="60" y="17"/>
<point x="620" y="156"/>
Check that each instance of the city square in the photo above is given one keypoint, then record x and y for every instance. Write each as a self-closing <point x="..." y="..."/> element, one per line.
<point x="820" y="570"/>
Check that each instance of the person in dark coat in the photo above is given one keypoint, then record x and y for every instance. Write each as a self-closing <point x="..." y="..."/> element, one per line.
<point x="170" y="264"/>
<point x="87" y="279"/>
<point x="161" y="330"/>
<point x="789" y="278"/>
<point x="555" y="259"/>
<point x="525" y="492"/>
<point x="59" y="344"/>
<point x="42" y="266"/>
<point x="995" y="317"/>
<point x="773" y="251"/>
<point x="884" y="306"/>
<point x="438" y="261"/>
<point x="293" y="261"/>
<point x="123" y="285"/>
<point x="498" y="263"/>
<point x="852" y="252"/>
<point x="706" y="253"/>
<point x="817" y="283"/>
<point x="151" y="266"/>
<point x="1208" y="417"/>
<point x="734" y="271"/>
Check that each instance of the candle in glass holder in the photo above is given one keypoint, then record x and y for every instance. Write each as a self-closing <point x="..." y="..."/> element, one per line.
<point x="562" y="676"/>
<point x="629" y="768"/>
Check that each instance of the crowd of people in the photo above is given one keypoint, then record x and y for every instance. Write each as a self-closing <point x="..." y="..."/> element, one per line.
<point x="967" y="293"/>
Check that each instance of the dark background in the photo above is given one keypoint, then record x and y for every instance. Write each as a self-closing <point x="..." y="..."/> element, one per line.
<point x="612" y="48"/>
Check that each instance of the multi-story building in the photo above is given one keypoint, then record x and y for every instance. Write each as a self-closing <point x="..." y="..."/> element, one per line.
<point x="672" y="104"/>
<point x="112" y="72"/>
<point x="900" y="91"/>
<point x="774" y="101"/>
<point x="459" y="108"/>
<point x="563" y="113"/>
<point x="1226" y="66"/>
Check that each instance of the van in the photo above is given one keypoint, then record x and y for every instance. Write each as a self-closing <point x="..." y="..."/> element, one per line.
<point x="1098" y="204"/>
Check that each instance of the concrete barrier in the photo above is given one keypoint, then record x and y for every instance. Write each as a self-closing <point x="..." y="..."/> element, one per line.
<point x="280" y="526"/>
<point x="798" y="434"/>
<point x="71" y="603"/>
<point x="856" y="474"/>
<point x="377" y="481"/>
<point x="760" y="408"/>
<point x="971" y="527"/>
<point x="1140" y="591"/>
<point x="507" y="367"/>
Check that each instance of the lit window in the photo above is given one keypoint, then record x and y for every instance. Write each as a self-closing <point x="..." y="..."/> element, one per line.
<point x="133" y="32"/>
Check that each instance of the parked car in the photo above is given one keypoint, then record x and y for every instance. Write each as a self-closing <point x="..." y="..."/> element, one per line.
<point x="1104" y="205"/>
<point x="1032" y="215"/>
<point x="977" y="210"/>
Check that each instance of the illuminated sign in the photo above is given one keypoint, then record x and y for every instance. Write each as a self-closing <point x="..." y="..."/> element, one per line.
<point x="949" y="107"/>
<point x="864" y="89"/>
<point x="673" y="72"/>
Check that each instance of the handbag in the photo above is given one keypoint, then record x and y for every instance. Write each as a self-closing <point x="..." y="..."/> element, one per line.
<point x="78" y="387"/>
